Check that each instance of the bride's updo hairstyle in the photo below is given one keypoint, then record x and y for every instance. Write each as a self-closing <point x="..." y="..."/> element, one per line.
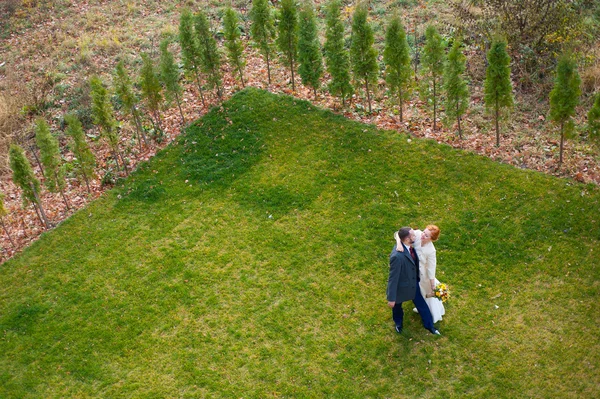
<point x="435" y="231"/>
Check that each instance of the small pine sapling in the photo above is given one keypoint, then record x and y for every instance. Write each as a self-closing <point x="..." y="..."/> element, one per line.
<point x="497" y="87"/>
<point x="336" y="55"/>
<point x="84" y="156"/>
<point x="564" y="97"/>
<point x="396" y="55"/>
<point x="50" y="156"/>
<point x="433" y="67"/>
<point x="287" y="39"/>
<point x="263" y="30"/>
<point x="210" y="57"/>
<point x="24" y="177"/>
<point x="190" y="50"/>
<point x="151" y="93"/>
<point x="169" y="75"/>
<point x="310" y="58"/>
<point x="102" y="112"/>
<point x="233" y="42"/>
<point x="455" y="86"/>
<point x="124" y="90"/>
<point x="362" y="53"/>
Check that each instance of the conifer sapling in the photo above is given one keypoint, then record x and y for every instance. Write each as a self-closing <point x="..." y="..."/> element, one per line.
<point x="564" y="97"/>
<point x="169" y="74"/>
<point x="287" y="40"/>
<point x="362" y="53"/>
<point x="263" y="30"/>
<point x="457" y="92"/>
<point x="124" y="90"/>
<point x="336" y="55"/>
<point x="433" y="66"/>
<point x="190" y="50"/>
<point x="103" y="115"/>
<point x="210" y="57"/>
<point x="309" y="49"/>
<point x="151" y="92"/>
<point x="50" y="156"/>
<point x="85" y="159"/>
<point x="233" y="43"/>
<point x="24" y="177"/>
<point x="497" y="87"/>
<point x="396" y="56"/>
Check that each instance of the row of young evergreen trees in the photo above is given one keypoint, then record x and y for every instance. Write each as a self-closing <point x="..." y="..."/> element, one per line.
<point x="154" y="84"/>
<point x="296" y="37"/>
<point x="443" y="81"/>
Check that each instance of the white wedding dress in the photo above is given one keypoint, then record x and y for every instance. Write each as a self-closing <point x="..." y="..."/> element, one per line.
<point x="427" y="265"/>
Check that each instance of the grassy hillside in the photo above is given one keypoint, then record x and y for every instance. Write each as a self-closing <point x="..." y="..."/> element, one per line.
<point x="249" y="259"/>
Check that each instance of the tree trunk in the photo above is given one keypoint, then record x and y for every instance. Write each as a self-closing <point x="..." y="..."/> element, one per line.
<point x="401" y="103"/>
<point x="37" y="160"/>
<point x="292" y="68"/>
<point x="62" y="192"/>
<point x="241" y="76"/>
<point x="115" y="157"/>
<point x="37" y="212"/>
<point x="315" y="91"/>
<point x="157" y="124"/>
<point x="434" y="105"/>
<point x="368" y="95"/>
<point x="24" y="224"/>
<point x="199" y="86"/>
<point x="180" y="110"/>
<point x="416" y="54"/>
<point x="139" y="127"/>
<point x="122" y="160"/>
<point x="87" y="183"/>
<point x="268" y="68"/>
<point x="562" y="141"/>
<point x="497" y="124"/>
<point x="7" y="232"/>
<point x="39" y="204"/>
<point x="458" y="119"/>
<point x="219" y="93"/>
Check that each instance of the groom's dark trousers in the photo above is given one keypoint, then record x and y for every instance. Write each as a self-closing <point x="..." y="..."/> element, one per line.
<point x="421" y="305"/>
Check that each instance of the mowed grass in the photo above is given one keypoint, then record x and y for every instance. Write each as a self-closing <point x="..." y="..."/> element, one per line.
<point x="250" y="259"/>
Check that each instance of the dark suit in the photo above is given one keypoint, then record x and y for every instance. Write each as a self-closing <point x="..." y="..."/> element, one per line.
<point x="403" y="286"/>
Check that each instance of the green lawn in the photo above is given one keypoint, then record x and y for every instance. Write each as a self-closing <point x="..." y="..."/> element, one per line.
<point x="250" y="259"/>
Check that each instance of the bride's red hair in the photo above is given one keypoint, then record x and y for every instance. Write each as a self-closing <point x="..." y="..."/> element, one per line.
<point x="435" y="231"/>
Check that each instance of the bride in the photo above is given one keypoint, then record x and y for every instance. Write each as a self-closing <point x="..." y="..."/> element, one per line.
<point x="427" y="264"/>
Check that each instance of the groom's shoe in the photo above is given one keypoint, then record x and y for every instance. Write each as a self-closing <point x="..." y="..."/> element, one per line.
<point x="415" y="310"/>
<point x="435" y="331"/>
<point x="399" y="329"/>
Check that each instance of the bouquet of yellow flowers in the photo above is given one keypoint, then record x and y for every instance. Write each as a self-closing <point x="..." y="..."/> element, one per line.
<point x="441" y="292"/>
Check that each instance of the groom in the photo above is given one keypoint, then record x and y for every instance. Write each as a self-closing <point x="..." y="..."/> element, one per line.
<point x="403" y="282"/>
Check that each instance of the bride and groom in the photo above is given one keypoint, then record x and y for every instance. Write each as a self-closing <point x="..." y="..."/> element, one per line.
<point x="412" y="276"/>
